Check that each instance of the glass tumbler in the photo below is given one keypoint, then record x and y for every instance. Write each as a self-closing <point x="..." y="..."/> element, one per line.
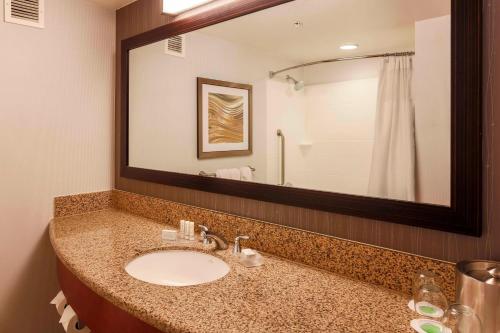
<point x="430" y="302"/>
<point x="460" y="318"/>
<point x="421" y="278"/>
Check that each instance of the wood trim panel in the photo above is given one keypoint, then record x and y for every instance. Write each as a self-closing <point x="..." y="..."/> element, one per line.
<point x="97" y="313"/>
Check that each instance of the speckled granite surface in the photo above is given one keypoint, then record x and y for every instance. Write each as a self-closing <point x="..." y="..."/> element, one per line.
<point x="384" y="267"/>
<point x="82" y="203"/>
<point x="281" y="296"/>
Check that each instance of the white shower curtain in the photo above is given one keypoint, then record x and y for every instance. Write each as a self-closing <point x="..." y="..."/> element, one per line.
<point x="392" y="173"/>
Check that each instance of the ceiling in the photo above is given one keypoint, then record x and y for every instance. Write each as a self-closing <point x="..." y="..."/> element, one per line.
<point x="378" y="26"/>
<point x="114" y="4"/>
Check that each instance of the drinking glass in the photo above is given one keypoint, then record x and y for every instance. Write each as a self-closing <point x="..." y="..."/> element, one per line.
<point x="430" y="302"/>
<point x="421" y="278"/>
<point x="460" y="318"/>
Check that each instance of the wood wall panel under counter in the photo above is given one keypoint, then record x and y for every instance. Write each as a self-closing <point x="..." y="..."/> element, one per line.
<point x="95" y="311"/>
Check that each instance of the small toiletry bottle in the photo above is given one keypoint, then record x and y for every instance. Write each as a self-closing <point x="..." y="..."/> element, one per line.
<point x="191" y="231"/>
<point x="181" y="227"/>
<point x="186" y="230"/>
<point x="169" y="235"/>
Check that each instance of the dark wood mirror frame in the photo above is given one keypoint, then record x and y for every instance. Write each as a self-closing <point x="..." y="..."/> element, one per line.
<point x="464" y="216"/>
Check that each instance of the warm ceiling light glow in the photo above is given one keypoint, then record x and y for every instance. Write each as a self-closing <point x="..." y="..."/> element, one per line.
<point x="298" y="24"/>
<point x="175" y="7"/>
<point x="349" y="47"/>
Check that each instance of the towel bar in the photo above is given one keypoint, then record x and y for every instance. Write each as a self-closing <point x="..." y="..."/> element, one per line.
<point x="213" y="174"/>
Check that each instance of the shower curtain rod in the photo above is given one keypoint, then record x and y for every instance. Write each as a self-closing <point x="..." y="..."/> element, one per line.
<point x="380" y="55"/>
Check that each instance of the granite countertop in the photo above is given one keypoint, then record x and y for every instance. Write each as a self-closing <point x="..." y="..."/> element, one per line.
<point x="280" y="296"/>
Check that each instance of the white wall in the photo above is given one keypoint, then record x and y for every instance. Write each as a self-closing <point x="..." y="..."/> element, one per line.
<point x="56" y="138"/>
<point x="163" y="102"/>
<point x="330" y="116"/>
<point x="432" y="91"/>
<point x="340" y="125"/>
<point x="341" y="105"/>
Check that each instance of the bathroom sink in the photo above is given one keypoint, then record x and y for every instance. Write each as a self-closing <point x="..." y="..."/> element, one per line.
<point x="177" y="268"/>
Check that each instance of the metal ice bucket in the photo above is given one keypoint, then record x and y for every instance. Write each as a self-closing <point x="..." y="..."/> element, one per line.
<point x="478" y="286"/>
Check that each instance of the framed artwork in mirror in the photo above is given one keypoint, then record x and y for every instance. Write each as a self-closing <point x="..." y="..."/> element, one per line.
<point x="224" y="119"/>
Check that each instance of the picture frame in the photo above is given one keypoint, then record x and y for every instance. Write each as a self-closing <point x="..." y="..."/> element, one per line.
<point x="224" y="119"/>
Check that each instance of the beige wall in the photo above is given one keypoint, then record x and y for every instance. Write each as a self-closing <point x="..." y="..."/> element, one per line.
<point x="432" y="91"/>
<point x="56" y="127"/>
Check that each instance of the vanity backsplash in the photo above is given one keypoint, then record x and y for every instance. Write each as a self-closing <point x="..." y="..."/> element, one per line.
<point x="385" y="267"/>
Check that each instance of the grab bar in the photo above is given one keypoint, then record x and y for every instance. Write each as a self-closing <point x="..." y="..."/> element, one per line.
<point x="281" y="136"/>
<point x="213" y="174"/>
<point x="205" y="174"/>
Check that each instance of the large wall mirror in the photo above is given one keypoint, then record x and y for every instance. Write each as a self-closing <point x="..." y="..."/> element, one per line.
<point x="367" y="108"/>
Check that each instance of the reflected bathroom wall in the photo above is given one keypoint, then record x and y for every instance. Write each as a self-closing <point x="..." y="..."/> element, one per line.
<point x="163" y="117"/>
<point x="327" y="112"/>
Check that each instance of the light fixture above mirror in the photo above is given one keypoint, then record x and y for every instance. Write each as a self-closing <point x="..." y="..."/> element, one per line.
<point x="347" y="47"/>
<point x="175" y="7"/>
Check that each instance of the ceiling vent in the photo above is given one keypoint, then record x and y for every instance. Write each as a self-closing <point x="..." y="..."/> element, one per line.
<point x="25" y="12"/>
<point x="176" y="46"/>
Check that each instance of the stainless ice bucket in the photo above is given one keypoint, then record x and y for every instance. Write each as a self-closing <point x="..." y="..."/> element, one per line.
<point x="478" y="286"/>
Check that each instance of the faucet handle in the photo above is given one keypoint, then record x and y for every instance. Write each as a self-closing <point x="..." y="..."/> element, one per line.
<point x="203" y="234"/>
<point x="237" y="247"/>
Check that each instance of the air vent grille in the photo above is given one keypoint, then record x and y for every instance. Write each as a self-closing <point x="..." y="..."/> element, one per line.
<point x="176" y="46"/>
<point x="26" y="12"/>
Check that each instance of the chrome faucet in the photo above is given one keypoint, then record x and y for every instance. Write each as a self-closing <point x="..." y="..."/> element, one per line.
<point x="207" y="238"/>
<point x="237" y="247"/>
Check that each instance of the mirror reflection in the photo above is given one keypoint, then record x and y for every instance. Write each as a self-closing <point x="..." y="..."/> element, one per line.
<point x="345" y="96"/>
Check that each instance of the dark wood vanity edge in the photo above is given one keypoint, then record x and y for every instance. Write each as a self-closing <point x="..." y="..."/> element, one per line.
<point x="100" y="315"/>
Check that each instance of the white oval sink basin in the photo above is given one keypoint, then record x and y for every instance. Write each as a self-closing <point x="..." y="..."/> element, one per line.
<point x="177" y="268"/>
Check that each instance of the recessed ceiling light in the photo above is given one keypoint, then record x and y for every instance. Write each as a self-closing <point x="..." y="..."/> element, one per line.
<point x="349" y="47"/>
<point x="298" y="24"/>
<point x="175" y="7"/>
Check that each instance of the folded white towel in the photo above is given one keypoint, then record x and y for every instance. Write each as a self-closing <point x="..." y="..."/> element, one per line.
<point x="234" y="174"/>
<point x="246" y="174"/>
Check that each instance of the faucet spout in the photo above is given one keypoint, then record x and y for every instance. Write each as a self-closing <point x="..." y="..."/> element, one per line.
<point x="221" y="243"/>
<point x="208" y="236"/>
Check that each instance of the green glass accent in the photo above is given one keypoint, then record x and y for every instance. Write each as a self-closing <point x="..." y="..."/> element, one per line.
<point x="427" y="309"/>
<point x="430" y="328"/>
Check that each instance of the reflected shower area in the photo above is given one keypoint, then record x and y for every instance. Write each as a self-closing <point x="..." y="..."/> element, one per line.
<point x="390" y="167"/>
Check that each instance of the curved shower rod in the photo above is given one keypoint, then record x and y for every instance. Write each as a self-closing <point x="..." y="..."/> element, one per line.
<point x="394" y="54"/>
